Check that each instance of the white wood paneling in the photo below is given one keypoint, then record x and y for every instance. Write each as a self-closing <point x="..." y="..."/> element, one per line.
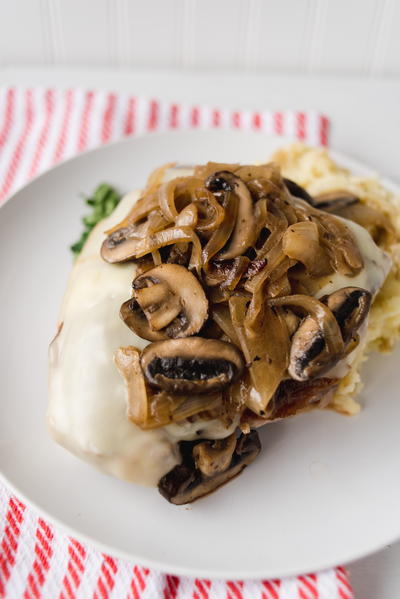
<point x="387" y="56"/>
<point x="215" y="32"/>
<point x="282" y="31"/>
<point x="347" y="35"/>
<point x="152" y="32"/>
<point x="86" y="31"/>
<point x="311" y="36"/>
<point x="24" y="34"/>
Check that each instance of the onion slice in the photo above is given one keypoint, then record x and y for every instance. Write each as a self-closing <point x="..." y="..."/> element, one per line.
<point x="266" y="351"/>
<point x="301" y="242"/>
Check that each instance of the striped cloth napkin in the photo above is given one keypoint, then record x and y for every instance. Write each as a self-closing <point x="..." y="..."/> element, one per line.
<point x="38" y="128"/>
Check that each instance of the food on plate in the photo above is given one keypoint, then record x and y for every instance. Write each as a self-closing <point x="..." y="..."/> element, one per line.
<point x="219" y="299"/>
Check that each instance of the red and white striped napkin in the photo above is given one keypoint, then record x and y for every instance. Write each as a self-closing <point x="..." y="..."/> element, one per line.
<point x="38" y="128"/>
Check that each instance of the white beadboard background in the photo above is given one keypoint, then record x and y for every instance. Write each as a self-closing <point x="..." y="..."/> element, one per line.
<point x="345" y="37"/>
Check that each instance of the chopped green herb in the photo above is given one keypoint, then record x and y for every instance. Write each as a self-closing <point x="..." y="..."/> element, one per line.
<point x="103" y="201"/>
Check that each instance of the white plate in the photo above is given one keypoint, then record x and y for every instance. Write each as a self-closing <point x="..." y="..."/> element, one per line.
<point x="326" y="488"/>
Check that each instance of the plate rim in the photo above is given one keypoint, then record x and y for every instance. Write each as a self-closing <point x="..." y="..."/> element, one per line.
<point x="353" y="164"/>
<point x="164" y="568"/>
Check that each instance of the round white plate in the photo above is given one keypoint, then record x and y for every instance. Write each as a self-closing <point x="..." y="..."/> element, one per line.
<point x="326" y="488"/>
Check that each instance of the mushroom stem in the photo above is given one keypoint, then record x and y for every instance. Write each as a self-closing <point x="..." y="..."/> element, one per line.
<point x="168" y="301"/>
<point x="213" y="457"/>
<point x="152" y="295"/>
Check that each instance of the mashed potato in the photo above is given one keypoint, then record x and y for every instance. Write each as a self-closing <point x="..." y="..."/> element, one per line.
<point x="315" y="170"/>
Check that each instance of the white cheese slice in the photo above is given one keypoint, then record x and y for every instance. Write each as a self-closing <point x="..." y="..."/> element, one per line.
<point x="88" y="403"/>
<point x="377" y="264"/>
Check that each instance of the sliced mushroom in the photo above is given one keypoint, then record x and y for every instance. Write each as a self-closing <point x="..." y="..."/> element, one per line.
<point x="310" y="355"/>
<point x="191" y="365"/>
<point x="119" y="246"/>
<point x="334" y="200"/>
<point x="243" y="235"/>
<point x="329" y="201"/>
<point x="297" y="191"/>
<point x="149" y="408"/>
<point x="186" y="482"/>
<point x="168" y="302"/>
<point x="350" y="307"/>
<point x="131" y="243"/>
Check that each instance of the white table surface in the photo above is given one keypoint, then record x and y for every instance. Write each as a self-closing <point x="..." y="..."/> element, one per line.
<point x="365" y="117"/>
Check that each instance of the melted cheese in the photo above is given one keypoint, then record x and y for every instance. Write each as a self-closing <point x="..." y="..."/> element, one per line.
<point x="377" y="264"/>
<point x="87" y="408"/>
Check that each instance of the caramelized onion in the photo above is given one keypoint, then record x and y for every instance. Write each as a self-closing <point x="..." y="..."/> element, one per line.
<point x="266" y="351"/>
<point x="258" y="251"/>
<point x="341" y="244"/>
<point x="220" y="237"/>
<point x="262" y="188"/>
<point x="169" y="237"/>
<point x="275" y="228"/>
<point x="211" y="213"/>
<point x="187" y="217"/>
<point x="226" y="273"/>
<point x="235" y="273"/>
<point x="335" y="236"/>
<point x="139" y="211"/>
<point x="166" y="198"/>
<point x="222" y="317"/>
<point x="244" y="230"/>
<point x="375" y="222"/>
<point x="196" y="405"/>
<point x="276" y="263"/>
<point x="205" y="170"/>
<point x="157" y="176"/>
<point x="301" y="242"/>
<point x="269" y="172"/>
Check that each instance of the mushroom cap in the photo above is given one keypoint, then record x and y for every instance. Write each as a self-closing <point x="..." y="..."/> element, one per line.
<point x="350" y="306"/>
<point x="309" y="355"/>
<point x="168" y="302"/>
<point x="334" y="200"/>
<point x="328" y="201"/>
<point x="192" y="364"/>
<point x="297" y="191"/>
<point x="119" y="246"/>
